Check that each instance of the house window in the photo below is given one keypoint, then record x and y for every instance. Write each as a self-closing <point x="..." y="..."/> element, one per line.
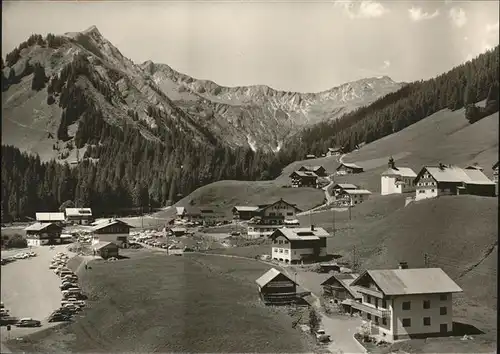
<point x="406" y="322"/>
<point x="427" y="321"/>
<point x="286" y="251"/>
<point x="432" y="190"/>
<point x="289" y="214"/>
<point x="384" y="304"/>
<point x="407" y="305"/>
<point x="427" y="304"/>
<point x="376" y="302"/>
<point x="369" y="299"/>
<point x="384" y="321"/>
<point x="443" y="310"/>
<point x="443" y="297"/>
<point x="376" y="320"/>
<point x="369" y="316"/>
<point x="281" y="250"/>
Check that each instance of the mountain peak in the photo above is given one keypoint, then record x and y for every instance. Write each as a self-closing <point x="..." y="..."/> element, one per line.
<point x="92" y="30"/>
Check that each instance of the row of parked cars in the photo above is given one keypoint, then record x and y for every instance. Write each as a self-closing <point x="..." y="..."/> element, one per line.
<point x="22" y="255"/>
<point x="73" y="300"/>
<point x="7" y="319"/>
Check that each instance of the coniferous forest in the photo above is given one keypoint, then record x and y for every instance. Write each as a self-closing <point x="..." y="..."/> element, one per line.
<point x="122" y="169"/>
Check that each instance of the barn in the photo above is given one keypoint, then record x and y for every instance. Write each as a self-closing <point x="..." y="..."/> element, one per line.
<point x="275" y="288"/>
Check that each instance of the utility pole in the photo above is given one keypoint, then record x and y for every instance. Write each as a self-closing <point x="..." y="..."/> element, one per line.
<point x="426" y="260"/>
<point x="350" y="209"/>
<point x="354" y="259"/>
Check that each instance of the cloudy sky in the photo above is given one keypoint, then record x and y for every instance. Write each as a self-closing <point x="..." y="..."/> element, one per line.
<point x="293" y="46"/>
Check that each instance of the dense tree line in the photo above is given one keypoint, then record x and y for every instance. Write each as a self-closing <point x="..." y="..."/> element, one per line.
<point x="400" y="109"/>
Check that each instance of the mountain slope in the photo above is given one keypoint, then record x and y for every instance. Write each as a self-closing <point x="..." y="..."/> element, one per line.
<point x="150" y="97"/>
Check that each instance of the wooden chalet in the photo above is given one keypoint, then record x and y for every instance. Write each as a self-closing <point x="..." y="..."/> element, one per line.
<point x="320" y="171"/>
<point x="244" y="212"/>
<point x="82" y="216"/>
<point x="105" y="249"/>
<point x="270" y="217"/>
<point x="111" y="230"/>
<point x="334" y="151"/>
<point x="339" y="188"/>
<point x="434" y="181"/>
<point x="304" y="179"/>
<point x="275" y="288"/>
<point x="205" y="215"/>
<point x="40" y="234"/>
<point x="348" y="168"/>
<point x="338" y="288"/>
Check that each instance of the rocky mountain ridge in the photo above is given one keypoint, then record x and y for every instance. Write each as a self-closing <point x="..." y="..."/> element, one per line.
<point x="150" y="94"/>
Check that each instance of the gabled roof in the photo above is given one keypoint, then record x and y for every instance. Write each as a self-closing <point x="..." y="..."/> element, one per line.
<point x="78" y="212"/>
<point x="349" y="165"/>
<point x="400" y="171"/>
<point x="245" y="208"/>
<point x="301" y="233"/>
<point x="50" y="216"/>
<point x="39" y="226"/>
<point x="101" y="244"/>
<point x="108" y="222"/>
<point x="411" y="281"/>
<point x="454" y="174"/>
<point x="265" y="206"/>
<point x="304" y="174"/>
<point x="269" y="276"/>
<point x="495" y="165"/>
<point x="311" y="168"/>
<point x="345" y="186"/>
<point x="357" y="191"/>
<point x="346" y="281"/>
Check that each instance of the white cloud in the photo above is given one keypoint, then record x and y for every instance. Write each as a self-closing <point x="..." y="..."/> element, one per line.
<point x="366" y="9"/>
<point x="458" y="16"/>
<point x="492" y="28"/>
<point x="417" y="14"/>
<point x="386" y="65"/>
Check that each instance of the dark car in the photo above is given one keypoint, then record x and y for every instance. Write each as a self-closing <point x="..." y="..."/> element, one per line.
<point x="9" y="320"/>
<point x="68" y="286"/>
<point x="28" y="322"/>
<point x="60" y="317"/>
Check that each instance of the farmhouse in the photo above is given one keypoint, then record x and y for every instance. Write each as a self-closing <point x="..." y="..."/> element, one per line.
<point x="347" y="168"/>
<point x="244" y="212"/>
<point x="105" y="249"/>
<point x="304" y="179"/>
<point x="50" y="217"/>
<point x="354" y="196"/>
<point x="275" y="288"/>
<point x="434" y="181"/>
<point x="207" y="216"/>
<point x="318" y="170"/>
<point x="495" y="177"/>
<point x="270" y="217"/>
<point x="79" y="215"/>
<point x="111" y="230"/>
<point x="397" y="180"/>
<point x="338" y="287"/>
<point x="406" y="303"/>
<point x="40" y="234"/>
<point x="334" y="151"/>
<point x="298" y="244"/>
<point x="341" y="187"/>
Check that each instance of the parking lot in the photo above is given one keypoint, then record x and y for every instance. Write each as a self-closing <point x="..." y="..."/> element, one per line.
<point x="30" y="289"/>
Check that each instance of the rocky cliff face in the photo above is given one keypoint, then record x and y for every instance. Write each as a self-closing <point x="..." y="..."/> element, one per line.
<point x="255" y="116"/>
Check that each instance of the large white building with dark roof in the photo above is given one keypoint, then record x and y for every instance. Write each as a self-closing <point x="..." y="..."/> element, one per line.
<point x="406" y="303"/>
<point x="294" y="245"/>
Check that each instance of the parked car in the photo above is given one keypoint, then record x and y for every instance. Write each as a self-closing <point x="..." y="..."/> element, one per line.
<point x="67" y="286"/>
<point x="60" y="317"/>
<point x="72" y="307"/>
<point x="28" y="322"/>
<point x="32" y="254"/>
<point x="8" y="320"/>
<point x="321" y="336"/>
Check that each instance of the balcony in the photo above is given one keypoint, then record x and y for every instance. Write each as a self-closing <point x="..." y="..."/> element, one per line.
<point x="371" y="310"/>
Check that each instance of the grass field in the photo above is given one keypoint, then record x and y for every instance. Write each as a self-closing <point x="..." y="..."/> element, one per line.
<point x="174" y="304"/>
<point x="224" y="195"/>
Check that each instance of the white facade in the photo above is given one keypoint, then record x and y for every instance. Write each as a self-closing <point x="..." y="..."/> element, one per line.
<point x="396" y="185"/>
<point x="279" y="211"/>
<point x="427" y="187"/>
<point x="288" y="251"/>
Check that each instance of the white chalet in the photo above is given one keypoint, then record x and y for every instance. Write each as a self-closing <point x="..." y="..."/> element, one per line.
<point x="270" y="217"/>
<point x="293" y="245"/>
<point x="406" y="303"/>
<point x="397" y="180"/>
